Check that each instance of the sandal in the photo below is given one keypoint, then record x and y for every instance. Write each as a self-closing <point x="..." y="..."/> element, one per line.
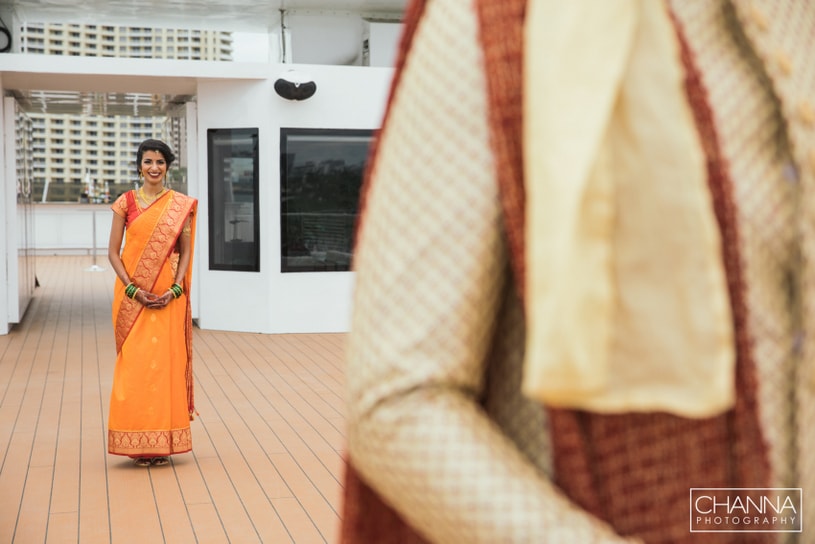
<point x="160" y="461"/>
<point x="142" y="461"/>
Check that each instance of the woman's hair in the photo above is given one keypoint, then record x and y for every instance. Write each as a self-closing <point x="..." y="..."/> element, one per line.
<point x="154" y="145"/>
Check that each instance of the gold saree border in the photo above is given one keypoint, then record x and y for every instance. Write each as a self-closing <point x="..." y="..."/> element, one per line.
<point x="135" y="443"/>
<point x="169" y="222"/>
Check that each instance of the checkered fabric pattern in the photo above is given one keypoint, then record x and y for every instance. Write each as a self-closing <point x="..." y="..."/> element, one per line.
<point x="437" y="423"/>
<point x="434" y="304"/>
<point x="760" y="77"/>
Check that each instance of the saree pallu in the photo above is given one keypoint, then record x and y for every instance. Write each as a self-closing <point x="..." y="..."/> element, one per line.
<point x="151" y="404"/>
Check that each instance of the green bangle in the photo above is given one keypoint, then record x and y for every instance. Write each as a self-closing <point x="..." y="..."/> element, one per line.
<point x="131" y="290"/>
<point x="177" y="290"/>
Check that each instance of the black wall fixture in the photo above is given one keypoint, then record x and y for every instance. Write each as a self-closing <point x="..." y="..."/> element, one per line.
<point x="295" y="86"/>
<point x="5" y="38"/>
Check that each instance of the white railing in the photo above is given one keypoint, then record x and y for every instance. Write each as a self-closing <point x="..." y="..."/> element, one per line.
<point x="68" y="229"/>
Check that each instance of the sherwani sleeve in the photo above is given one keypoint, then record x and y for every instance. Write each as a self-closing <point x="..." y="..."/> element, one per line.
<point x="431" y="274"/>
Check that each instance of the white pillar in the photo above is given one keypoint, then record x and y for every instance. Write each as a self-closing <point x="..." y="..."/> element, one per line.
<point x="8" y="216"/>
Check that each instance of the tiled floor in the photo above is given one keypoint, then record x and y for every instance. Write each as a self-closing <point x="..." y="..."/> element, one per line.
<point x="268" y="445"/>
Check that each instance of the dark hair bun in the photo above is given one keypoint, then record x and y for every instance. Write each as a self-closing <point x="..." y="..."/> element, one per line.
<point x="155" y="145"/>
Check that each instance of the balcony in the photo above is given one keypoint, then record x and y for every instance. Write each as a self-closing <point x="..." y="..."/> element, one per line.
<point x="268" y="445"/>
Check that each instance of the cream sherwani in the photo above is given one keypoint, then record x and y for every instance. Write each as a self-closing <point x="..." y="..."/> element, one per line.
<point x="437" y="422"/>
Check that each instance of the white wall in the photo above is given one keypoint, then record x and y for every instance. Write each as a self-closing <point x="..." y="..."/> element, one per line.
<point x="326" y="39"/>
<point x="69" y="228"/>
<point x="18" y="278"/>
<point x="270" y="301"/>
<point x="4" y="219"/>
<point x="383" y="42"/>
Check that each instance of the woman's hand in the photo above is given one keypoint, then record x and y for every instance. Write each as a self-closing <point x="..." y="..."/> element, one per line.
<point x="145" y="298"/>
<point x="153" y="301"/>
<point x="157" y="302"/>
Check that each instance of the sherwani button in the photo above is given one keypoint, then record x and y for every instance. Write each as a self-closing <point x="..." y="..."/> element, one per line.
<point x="806" y="112"/>
<point x="790" y="172"/>
<point x="758" y="17"/>
<point x="784" y="62"/>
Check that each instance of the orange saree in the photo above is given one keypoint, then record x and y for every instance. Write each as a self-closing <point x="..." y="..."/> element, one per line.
<point x="151" y="404"/>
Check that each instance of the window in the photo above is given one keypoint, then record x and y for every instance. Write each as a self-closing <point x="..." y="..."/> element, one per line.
<point x="320" y="178"/>
<point x="234" y="220"/>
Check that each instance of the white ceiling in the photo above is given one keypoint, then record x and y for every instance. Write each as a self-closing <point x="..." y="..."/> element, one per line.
<point x="234" y="15"/>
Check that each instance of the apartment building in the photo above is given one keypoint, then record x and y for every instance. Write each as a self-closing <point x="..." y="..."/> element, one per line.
<point x="87" y="155"/>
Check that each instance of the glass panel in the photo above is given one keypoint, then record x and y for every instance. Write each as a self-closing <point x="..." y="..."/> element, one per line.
<point x="234" y="221"/>
<point x="74" y="161"/>
<point x="320" y="177"/>
<point x="26" y="262"/>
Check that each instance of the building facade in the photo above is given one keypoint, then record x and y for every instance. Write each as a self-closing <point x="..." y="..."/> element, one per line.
<point x="87" y="156"/>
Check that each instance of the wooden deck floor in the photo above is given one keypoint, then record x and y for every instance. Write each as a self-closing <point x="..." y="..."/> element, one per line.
<point x="268" y="445"/>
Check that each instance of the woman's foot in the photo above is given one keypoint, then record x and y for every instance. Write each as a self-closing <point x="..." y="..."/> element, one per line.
<point x="160" y="461"/>
<point x="142" y="461"/>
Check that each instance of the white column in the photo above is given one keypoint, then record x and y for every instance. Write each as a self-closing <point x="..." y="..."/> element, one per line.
<point x="8" y="210"/>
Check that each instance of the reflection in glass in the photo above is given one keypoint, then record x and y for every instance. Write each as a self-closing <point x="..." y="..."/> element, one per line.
<point x="26" y="260"/>
<point x="320" y="177"/>
<point x="234" y="224"/>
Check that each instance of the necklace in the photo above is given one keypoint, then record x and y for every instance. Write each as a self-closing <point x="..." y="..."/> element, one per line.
<point x="149" y="200"/>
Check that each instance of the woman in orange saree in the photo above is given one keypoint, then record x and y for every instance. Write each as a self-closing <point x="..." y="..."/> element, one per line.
<point x="151" y="404"/>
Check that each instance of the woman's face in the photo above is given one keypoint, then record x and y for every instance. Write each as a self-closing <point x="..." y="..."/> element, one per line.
<point x="153" y="167"/>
